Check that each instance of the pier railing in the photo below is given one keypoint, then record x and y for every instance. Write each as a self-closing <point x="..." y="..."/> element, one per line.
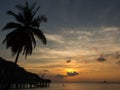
<point x="26" y="85"/>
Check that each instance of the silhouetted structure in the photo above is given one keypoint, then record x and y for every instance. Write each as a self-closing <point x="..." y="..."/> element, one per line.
<point x="18" y="77"/>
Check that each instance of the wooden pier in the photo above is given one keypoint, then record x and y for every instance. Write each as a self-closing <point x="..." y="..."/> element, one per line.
<point x="27" y="85"/>
<point x="15" y="77"/>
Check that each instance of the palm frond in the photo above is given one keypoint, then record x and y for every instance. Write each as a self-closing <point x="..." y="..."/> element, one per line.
<point x="12" y="25"/>
<point x="12" y="40"/>
<point x="35" y="11"/>
<point x="43" y="18"/>
<point x="28" y="48"/>
<point x="27" y="15"/>
<point x="20" y="7"/>
<point x="33" y="39"/>
<point x="35" y="22"/>
<point x="19" y="17"/>
<point x="33" y="5"/>
<point x="40" y="35"/>
<point x="11" y="13"/>
<point x="27" y="4"/>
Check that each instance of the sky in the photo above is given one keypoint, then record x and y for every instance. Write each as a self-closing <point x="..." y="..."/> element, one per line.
<point x="83" y="40"/>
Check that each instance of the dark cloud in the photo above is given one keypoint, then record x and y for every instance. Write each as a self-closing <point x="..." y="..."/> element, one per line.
<point x="59" y="76"/>
<point x="101" y="59"/>
<point x="72" y="73"/>
<point x="68" y="60"/>
<point x="68" y="74"/>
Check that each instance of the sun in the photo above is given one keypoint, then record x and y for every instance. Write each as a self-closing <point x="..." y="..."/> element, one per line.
<point x="70" y="70"/>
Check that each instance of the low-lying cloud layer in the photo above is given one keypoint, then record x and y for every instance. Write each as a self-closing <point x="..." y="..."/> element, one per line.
<point x="70" y="74"/>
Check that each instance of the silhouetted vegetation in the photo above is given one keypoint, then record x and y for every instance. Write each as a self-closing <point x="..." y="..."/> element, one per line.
<point x="22" y="37"/>
<point x="14" y="74"/>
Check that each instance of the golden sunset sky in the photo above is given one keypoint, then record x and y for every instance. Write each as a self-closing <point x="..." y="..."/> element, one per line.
<point x="83" y="40"/>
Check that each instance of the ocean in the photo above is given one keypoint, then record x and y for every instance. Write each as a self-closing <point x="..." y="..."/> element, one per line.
<point x="80" y="86"/>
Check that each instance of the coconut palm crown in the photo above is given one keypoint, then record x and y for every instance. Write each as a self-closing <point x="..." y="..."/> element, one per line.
<point x="21" y="38"/>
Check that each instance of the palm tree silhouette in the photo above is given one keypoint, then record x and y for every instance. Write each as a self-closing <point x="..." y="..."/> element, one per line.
<point x="22" y="37"/>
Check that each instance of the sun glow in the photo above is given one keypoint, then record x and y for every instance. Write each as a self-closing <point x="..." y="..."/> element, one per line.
<point x="70" y="70"/>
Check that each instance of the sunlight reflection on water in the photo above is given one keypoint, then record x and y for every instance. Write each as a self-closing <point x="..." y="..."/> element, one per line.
<point x="81" y="86"/>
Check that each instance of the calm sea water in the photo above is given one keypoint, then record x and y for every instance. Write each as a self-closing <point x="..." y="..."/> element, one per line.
<point x="81" y="86"/>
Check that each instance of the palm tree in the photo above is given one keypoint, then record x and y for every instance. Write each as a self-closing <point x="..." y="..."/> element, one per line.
<point x="22" y="37"/>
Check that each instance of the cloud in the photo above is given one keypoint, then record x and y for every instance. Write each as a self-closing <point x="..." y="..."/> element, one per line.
<point x="70" y="74"/>
<point x="66" y="42"/>
<point x="111" y="29"/>
<point x="55" y="38"/>
<point x="95" y="49"/>
<point x="68" y="60"/>
<point x="59" y="76"/>
<point x="48" y="53"/>
<point x="80" y="50"/>
<point x="101" y="59"/>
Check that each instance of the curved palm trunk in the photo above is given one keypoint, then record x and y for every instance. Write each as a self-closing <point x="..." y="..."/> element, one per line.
<point x="16" y="60"/>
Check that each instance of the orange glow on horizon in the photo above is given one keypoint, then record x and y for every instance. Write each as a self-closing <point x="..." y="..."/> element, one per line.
<point x="71" y="70"/>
